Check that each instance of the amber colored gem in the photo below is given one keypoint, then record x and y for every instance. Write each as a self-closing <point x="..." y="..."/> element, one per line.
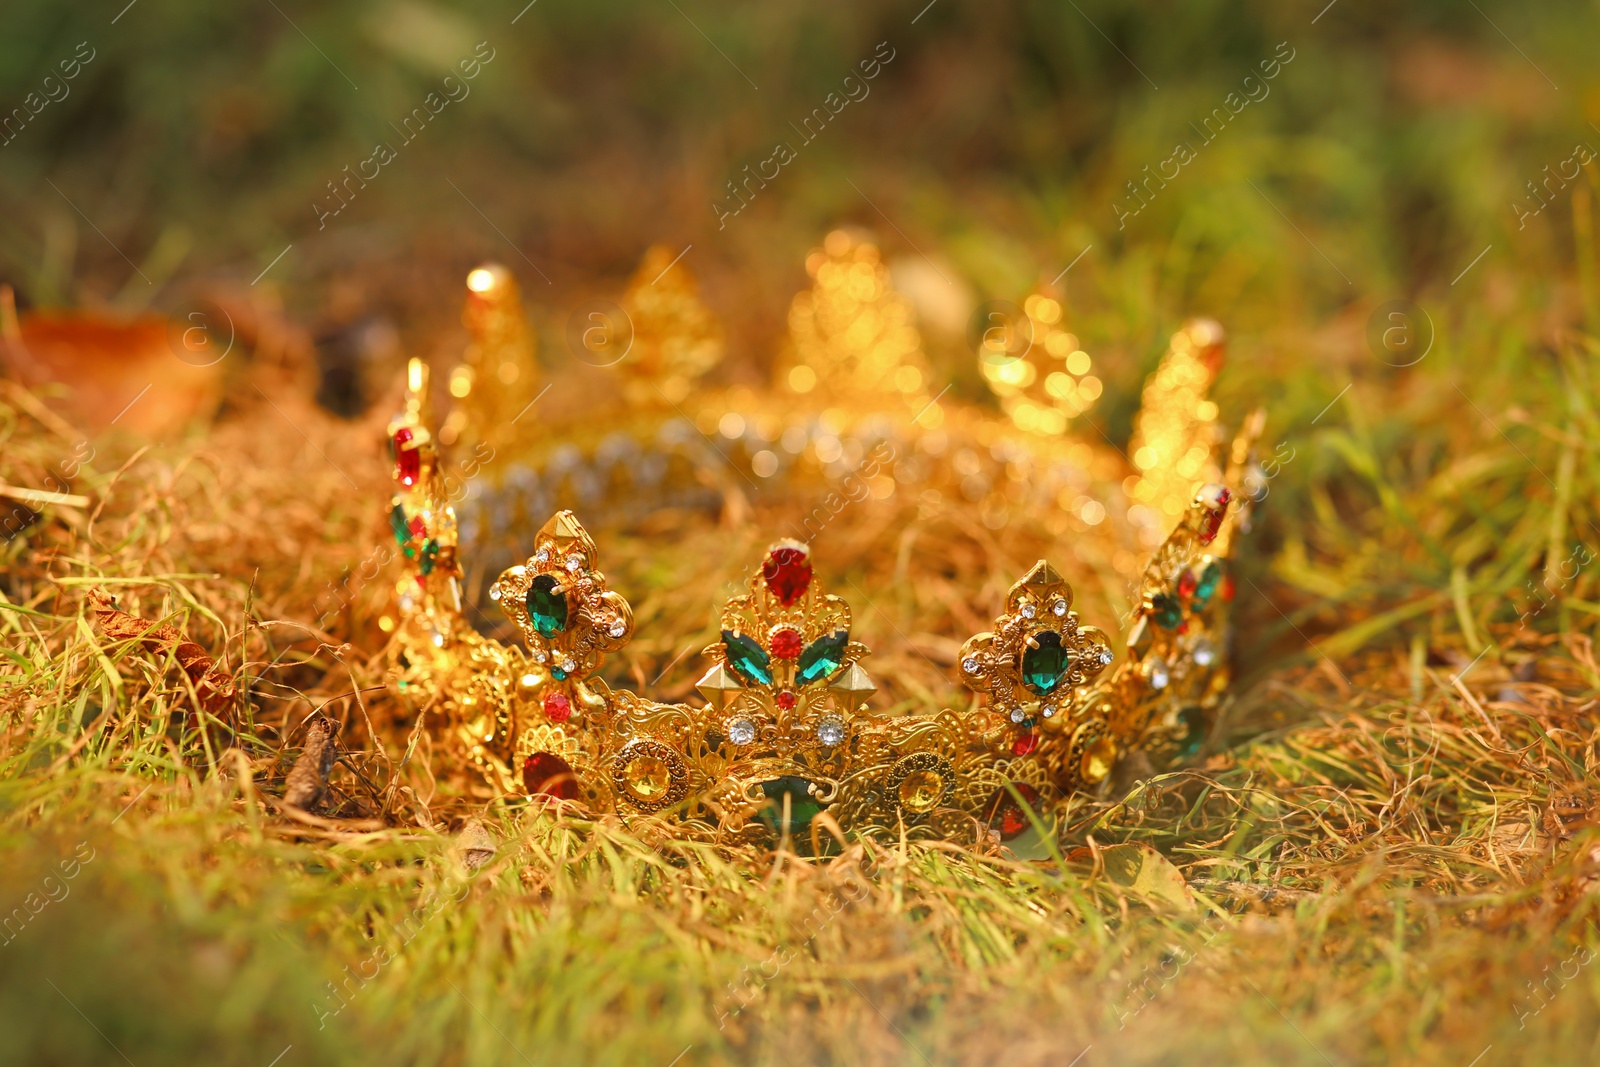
<point x="1005" y="815"/>
<point x="1025" y="743"/>
<point x="547" y="773"/>
<point x="921" y="790"/>
<point x="407" y="461"/>
<point x="557" y="708"/>
<point x="786" y="644"/>
<point x="787" y="572"/>
<point x="787" y="700"/>
<point x="1097" y="760"/>
<point x="647" y="777"/>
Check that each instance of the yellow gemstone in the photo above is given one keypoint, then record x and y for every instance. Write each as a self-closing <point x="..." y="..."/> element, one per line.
<point x="648" y="777"/>
<point x="1098" y="759"/>
<point x="921" y="790"/>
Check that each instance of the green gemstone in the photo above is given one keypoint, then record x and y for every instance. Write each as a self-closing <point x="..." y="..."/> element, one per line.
<point x="1210" y="578"/>
<point x="802" y="806"/>
<point x="1043" y="667"/>
<point x="1194" y="721"/>
<point x="1167" y="611"/>
<point x="547" y="605"/>
<point x="822" y="657"/>
<point x="558" y="674"/>
<point x="397" y="523"/>
<point x="430" y="553"/>
<point x="747" y="658"/>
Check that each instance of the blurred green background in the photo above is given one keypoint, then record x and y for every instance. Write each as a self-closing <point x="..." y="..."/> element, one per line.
<point x="995" y="144"/>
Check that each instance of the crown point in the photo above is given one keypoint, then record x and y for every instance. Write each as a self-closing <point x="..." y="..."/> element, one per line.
<point x="717" y="683"/>
<point x="787" y="571"/>
<point x="564" y="528"/>
<point x="854" y="683"/>
<point x="1042" y="575"/>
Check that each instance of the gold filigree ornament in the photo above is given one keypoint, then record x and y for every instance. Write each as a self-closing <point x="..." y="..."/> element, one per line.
<point x="785" y="745"/>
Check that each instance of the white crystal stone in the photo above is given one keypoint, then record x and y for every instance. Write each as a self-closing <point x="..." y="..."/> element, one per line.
<point x="1017" y="715"/>
<point x="617" y="628"/>
<point x="1059" y="607"/>
<point x="741" y="731"/>
<point x="1029" y="611"/>
<point x="1158" y="674"/>
<point x="830" y="731"/>
<point x="1204" y="653"/>
<point x="969" y="665"/>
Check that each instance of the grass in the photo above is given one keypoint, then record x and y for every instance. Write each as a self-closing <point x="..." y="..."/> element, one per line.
<point x="1389" y="851"/>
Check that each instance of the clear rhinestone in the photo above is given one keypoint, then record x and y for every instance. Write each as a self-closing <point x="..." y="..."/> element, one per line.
<point x="1158" y="674"/>
<point x="540" y="656"/>
<point x="567" y="665"/>
<point x="1017" y="715"/>
<point x="1059" y="607"/>
<point x="1048" y="710"/>
<point x="969" y="665"/>
<point x="1204" y="653"/>
<point x="741" y="731"/>
<point x="1029" y="611"/>
<point x="617" y="628"/>
<point x="494" y="594"/>
<point x="830" y="731"/>
<point x="574" y="564"/>
<point x="542" y="556"/>
<point x="1106" y="657"/>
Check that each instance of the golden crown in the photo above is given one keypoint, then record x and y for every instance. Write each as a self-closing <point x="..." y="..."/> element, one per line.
<point x="785" y="740"/>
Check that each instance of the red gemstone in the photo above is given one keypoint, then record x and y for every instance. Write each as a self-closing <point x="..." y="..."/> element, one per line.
<point x="547" y="773"/>
<point x="786" y="700"/>
<point x="1006" y="815"/>
<point x="1186" y="583"/>
<point x="557" y="708"/>
<point x="786" y="644"/>
<point x="1025" y="743"/>
<point x="1227" y="587"/>
<point x="417" y="527"/>
<point x="1215" y="498"/>
<point x="788" y="573"/>
<point x="407" y="461"/>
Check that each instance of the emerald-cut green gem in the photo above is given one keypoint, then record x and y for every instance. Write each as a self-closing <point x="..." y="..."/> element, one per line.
<point x="430" y="553"/>
<point x="397" y="523"/>
<point x="793" y="793"/>
<point x="558" y="674"/>
<point x="1167" y="611"/>
<point x="822" y="657"/>
<point x="1194" y="722"/>
<point x="1042" y="667"/>
<point x="1210" y="578"/>
<point x="547" y="605"/>
<point x="747" y="658"/>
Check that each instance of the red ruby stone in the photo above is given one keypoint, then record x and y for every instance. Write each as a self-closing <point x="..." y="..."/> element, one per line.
<point x="417" y="527"/>
<point x="407" y="461"/>
<point x="1006" y="815"/>
<point x="786" y="644"/>
<point x="1227" y="587"/>
<point x="547" y="773"/>
<point x="787" y="571"/>
<point x="1186" y="583"/>
<point x="786" y="700"/>
<point x="1216" y="508"/>
<point x="1025" y="743"/>
<point x="557" y="708"/>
